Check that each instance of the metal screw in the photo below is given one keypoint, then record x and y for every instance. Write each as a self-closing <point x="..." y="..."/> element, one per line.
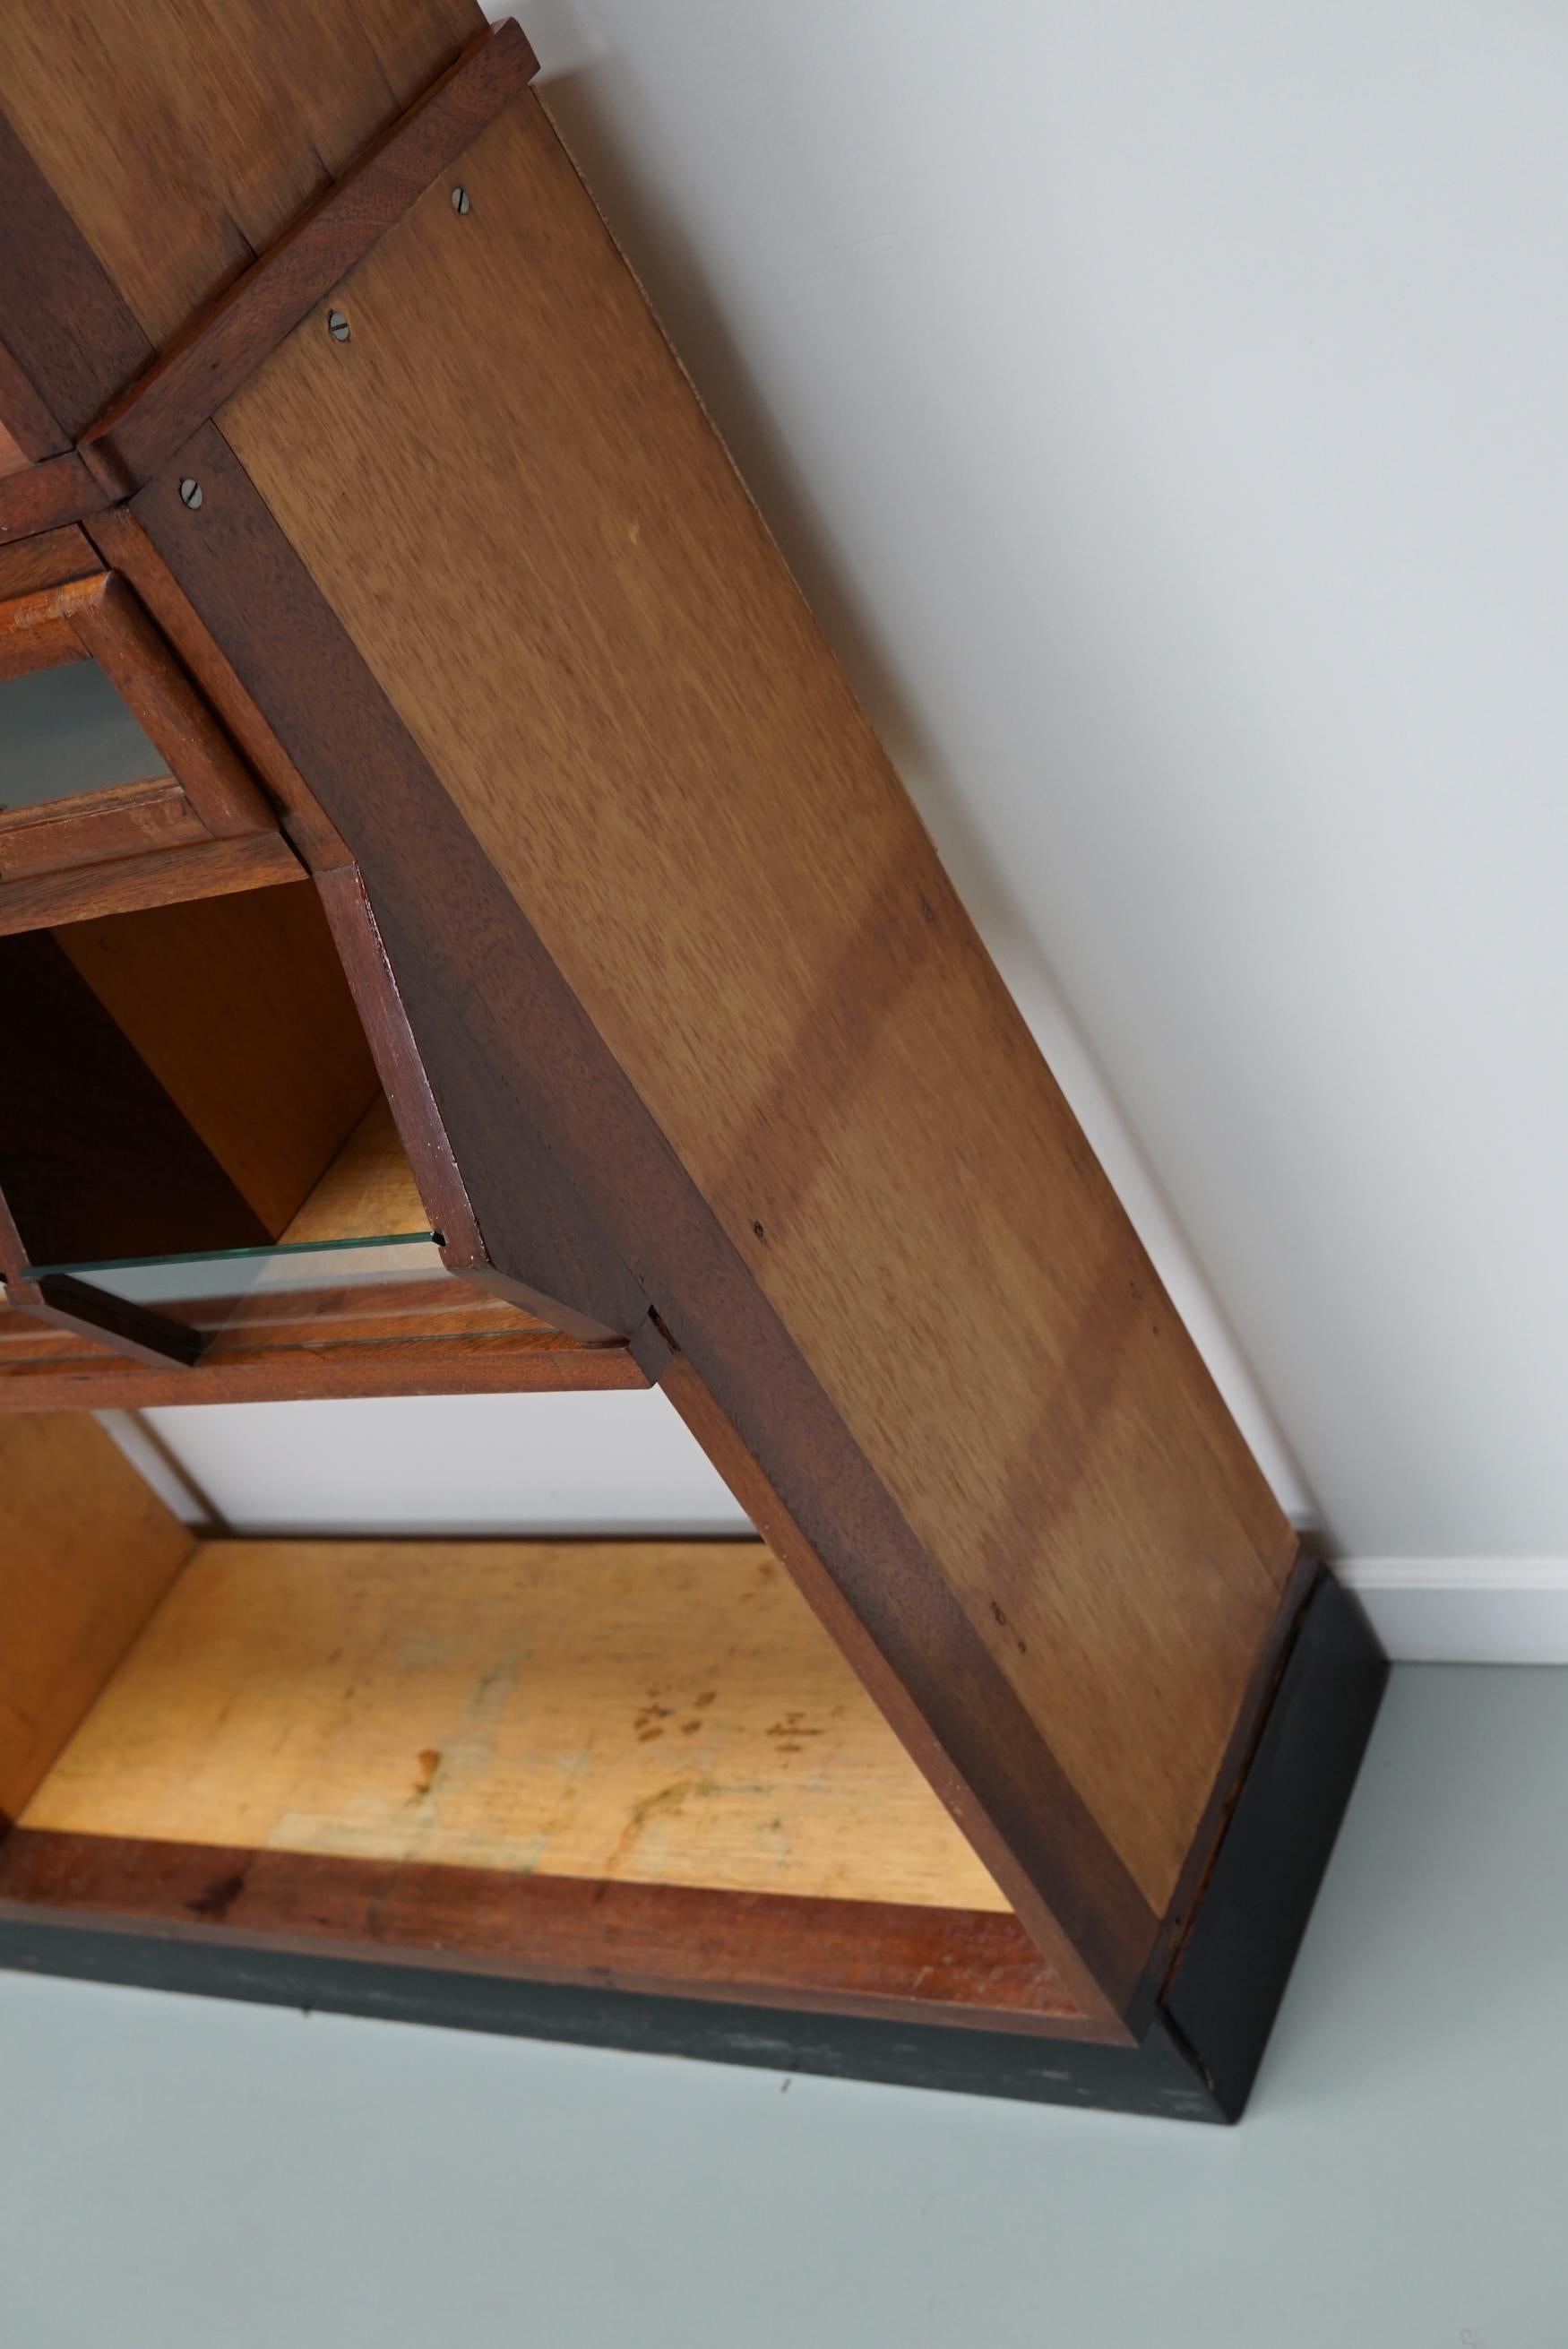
<point x="461" y="201"/>
<point x="337" y="325"/>
<point x="189" y="493"/>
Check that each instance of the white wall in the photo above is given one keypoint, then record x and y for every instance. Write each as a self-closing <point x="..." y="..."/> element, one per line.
<point x="1163" y="409"/>
<point x="188" y="2175"/>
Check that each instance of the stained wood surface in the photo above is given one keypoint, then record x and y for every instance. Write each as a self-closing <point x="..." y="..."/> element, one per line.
<point x="184" y="142"/>
<point x="128" y="820"/>
<point x="648" y="1713"/>
<point x="167" y="876"/>
<point x="47" y="561"/>
<point x="471" y="1346"/>
<point x="974" y="1967"/>
<point x="580" y="620"/>
<point x="86" y="1551"/>
<point x="42" y="497"/>
<point x="140" y="432"/>
<point x="238" y="1005"/>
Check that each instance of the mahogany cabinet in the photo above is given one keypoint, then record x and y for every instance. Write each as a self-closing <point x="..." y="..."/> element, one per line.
<point x="459" y="932"/>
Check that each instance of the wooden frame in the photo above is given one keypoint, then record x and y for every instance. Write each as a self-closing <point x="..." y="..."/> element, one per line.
<point x="686" y="1028"/>
<point x="69" y="859"/>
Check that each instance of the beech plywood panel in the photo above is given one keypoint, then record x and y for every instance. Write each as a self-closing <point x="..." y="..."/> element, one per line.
<point x="645" y="1713"/>
<point x="574" y="609"/>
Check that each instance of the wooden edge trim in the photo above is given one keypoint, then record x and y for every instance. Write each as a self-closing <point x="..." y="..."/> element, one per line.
<point x="134" y="1330"/>
<point x="111" y="624"/>
<point x="98" y="827"/>
<point x="483" y="993"/>
<point x="967" y="1968"/>
<point x="42" y="496"/>
<point x="373" y="984"/>
<point x="526" y="1362"/>
<point x="207" y="364"/>
<point x="258" y="861"/>
<point x="50" y="560"/>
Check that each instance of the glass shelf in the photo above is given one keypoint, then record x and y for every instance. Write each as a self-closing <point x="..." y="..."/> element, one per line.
<point x="237" y="1277"/>
<point x="65" y="731"/>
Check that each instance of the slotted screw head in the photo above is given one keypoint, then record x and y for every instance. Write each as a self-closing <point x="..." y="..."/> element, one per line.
<point x="337" y="325"/>
<point x="461" y="201"/>
<point x="190" y="492"/>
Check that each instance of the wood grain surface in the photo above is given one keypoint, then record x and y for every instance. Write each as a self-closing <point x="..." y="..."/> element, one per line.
<point x="183" y="141"/>
<point x="647" y="1713"/>
<point x="86" y="1551"/>
<point x="141" y="431"/>
<point x="581" y="620"/>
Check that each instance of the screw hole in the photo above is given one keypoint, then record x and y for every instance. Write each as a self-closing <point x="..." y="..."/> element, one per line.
<point x="759" y="1232"/>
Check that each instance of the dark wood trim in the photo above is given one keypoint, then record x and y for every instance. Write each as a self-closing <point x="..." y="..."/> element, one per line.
<point x="972" y="1969"/>
<point x="98" y="827"/>
<point x="68" y="334"/>
<point x="133" y="1330"/>
<point x="124" y="547"/>
<point x="51" y="560"/>
<point x="374" y="986"/>
<point x="45" y="496"/>
<point x="261" y="860"/>
<point x="111" y="624"/>
<point x="517" y="1068"/>
<point x="210" y="363"/>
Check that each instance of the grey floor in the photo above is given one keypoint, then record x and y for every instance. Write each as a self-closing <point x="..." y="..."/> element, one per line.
<point x="182" y="2174"/>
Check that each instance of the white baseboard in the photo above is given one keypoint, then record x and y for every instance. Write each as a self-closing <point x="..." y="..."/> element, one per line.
<point x="1465" y="1610"/>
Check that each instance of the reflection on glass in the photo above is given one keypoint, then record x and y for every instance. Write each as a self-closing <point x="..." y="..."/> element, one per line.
<point x="64" y="731"/>
<point x="241" y="1276"/>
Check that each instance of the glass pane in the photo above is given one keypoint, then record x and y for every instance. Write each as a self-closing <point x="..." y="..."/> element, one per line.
<point x="64" y="731"/>
<point x="239" y="1276"/>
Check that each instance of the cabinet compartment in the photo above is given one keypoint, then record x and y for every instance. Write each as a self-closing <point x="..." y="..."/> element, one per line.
<point x="642" y="1763"/>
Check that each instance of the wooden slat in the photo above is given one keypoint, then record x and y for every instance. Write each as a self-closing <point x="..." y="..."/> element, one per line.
<point x="263" y="860"/>
<point x="354" y="1359"/>
<point x="186" y="141"/>
<point x="238" y="1005"/>
<point x="43" y="497"/>
<point x="47" y="561"/>
<point x="126" y="820"/>
<point x="86" y="1551"/>
<point x="974" y="1968"/>
<point x="635" y="1713"/>
<point x="581" y="622"/>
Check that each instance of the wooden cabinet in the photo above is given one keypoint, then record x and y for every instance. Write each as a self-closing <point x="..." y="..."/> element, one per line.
<point x="616" y="974"/>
